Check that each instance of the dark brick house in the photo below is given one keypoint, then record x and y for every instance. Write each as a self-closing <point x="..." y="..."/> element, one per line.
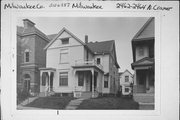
<point x="30" y="56"/>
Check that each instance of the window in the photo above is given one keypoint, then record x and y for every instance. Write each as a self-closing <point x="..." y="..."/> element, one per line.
<point x="63" y="79"/>
<point x="64" y="56"/>
<point x="65" y="41"/>
<point x="141" y="51"/>
<point x="26" y="55"/>
<point x="44" y="75"/>
<point x="98" y="61"/>
<point x="80" y="79"/>
<point x="126" y="78"/>
<point x="126" y="89"/>
<point x="105" y="81"/>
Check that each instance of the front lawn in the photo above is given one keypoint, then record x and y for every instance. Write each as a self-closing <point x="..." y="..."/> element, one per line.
<point x="51" y="102"/>
<point x="109" y="103"/>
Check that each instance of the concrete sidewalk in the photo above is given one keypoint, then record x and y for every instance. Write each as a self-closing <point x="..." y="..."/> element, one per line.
<point x="73" y="104"/>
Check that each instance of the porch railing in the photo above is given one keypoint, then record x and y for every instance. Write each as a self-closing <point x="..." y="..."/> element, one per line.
<point x="81" y="62"/>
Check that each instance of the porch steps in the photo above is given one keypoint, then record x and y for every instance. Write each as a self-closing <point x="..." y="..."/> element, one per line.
<point x="87" y="95"/>
<point x="43" y="94"/>
<point x="144" y="98"/>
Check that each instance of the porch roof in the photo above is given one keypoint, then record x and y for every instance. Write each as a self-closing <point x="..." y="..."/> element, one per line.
<point x="143" y="62"/>
<point x="87" y="66"/>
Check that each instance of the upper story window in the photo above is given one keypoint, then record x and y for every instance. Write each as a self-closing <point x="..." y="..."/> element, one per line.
<point x="141" y="51"/>
<point x="64" y="56"/>
<point x="26" y="55"/>
<point x="98" y="60"/>
<point x="65" y="41"/>
<point x="126" y="78"/>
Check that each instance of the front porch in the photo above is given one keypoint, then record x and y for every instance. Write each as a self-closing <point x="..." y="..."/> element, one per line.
<point x="143" y="81"/>
<point x="88" y="77"/>
<point x="46" y="81"/>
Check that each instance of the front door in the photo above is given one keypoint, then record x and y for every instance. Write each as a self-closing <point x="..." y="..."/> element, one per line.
<point x="27" y="82"/>
<point x="141" y="75"/>
<point x="80" y="81"/>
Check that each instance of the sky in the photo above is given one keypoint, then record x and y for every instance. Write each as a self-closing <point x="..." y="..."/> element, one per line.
<point x="120" y="29"/>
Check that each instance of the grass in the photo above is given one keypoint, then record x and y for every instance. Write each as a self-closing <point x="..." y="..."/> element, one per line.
<point x="109" y="103"/>
<point x="51" y="102"/>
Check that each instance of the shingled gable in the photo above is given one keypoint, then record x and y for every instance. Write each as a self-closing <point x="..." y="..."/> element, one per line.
<point x="146" y="32"/>
<point x="64" y="29"/>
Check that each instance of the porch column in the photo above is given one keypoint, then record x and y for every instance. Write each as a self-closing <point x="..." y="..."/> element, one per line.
<point x="49" y="74"/>
<point x="135" y="77"/>
<point x="40" y="79"/>
<point x="92" y="82"/>
<point x="147" y="81"/>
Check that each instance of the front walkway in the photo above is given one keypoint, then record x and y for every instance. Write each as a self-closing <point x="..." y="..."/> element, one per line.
<point x="73" y="104"/>
<point x="25" y="102"/>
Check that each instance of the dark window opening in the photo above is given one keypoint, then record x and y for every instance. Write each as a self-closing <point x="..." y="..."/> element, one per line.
<point x="26" y="56"/>
<point x="98" y="61"/>
<point x="80" y="79"/>
<point x="65" y="41"/>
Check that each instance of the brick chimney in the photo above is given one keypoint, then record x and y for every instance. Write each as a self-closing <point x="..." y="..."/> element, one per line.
<point x="28" y="24"/>
<point x="86" y="38"/>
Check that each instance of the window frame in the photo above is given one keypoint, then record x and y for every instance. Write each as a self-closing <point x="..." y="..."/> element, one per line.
<point x="61" y="84"/>
<point x="126" y="89"/>
<point x="125" y="78"/>
<point x="62" y="52"/>
<point x="25" y="56"/>
<point x="141" y="51"/>
<point x="65" y="39"/>
<point x="106" y="82"/>
<point x="99" y="60"/>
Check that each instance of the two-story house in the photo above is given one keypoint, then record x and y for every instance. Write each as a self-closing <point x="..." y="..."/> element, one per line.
<point x="143" y="59"/>
<point x="30" y="56"/>
<point x="126" y="82"/>
<point x="74" y="66"/>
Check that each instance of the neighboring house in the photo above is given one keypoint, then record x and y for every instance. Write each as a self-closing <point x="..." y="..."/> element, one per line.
<point x="143" y="59"/>
<point x="30" y="56"/>
<point x="126" y="82"/>
<point x="74" y="66"/>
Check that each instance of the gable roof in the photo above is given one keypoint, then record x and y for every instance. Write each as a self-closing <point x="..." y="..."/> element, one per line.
<point x="146" y="32"/>
<point x="101" y="47"/>
<point x="29" y="31"/>
<point x="121" y="73"/>
<point x="51" y="36"/>
<point x="56" y="36"/>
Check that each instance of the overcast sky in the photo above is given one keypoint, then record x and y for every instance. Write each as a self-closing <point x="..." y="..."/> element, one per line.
<point x="120" y="29"/>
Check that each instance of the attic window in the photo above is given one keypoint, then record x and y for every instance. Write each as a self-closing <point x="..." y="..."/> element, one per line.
<point x="65" y="41"/>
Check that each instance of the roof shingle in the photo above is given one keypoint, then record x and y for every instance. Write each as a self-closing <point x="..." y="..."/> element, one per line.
<point x="101" y="47"/>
